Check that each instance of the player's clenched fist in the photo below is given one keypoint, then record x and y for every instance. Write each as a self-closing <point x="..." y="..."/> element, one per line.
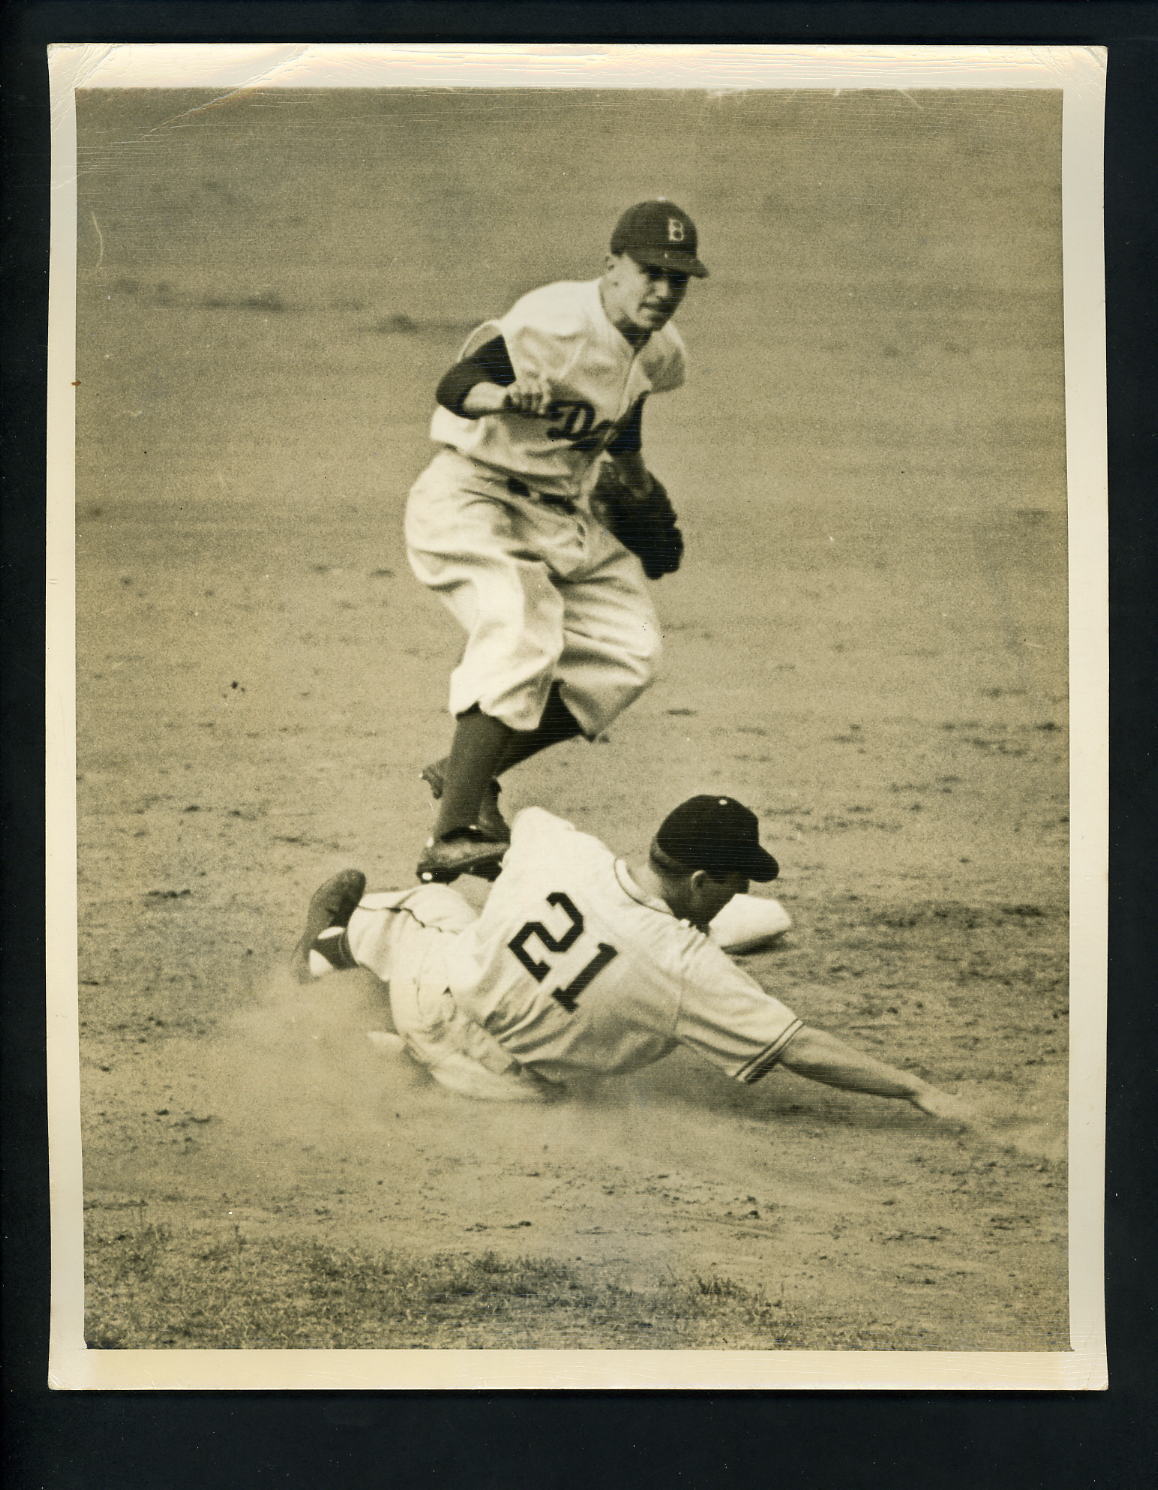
<point x="529" y="394"/>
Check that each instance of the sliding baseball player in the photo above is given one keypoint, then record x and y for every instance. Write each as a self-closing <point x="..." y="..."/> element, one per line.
<point x="582" y="961"/>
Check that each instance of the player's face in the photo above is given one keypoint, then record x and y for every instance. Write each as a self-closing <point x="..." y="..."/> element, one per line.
<point x="709" y="896"/>
<point x="640" y="297"/>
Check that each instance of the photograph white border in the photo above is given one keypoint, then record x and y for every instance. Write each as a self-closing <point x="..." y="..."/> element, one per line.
<point x="1079" y="72"/>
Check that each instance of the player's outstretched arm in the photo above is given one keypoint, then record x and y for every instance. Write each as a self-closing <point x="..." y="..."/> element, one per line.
<point x="823" y="1057"/>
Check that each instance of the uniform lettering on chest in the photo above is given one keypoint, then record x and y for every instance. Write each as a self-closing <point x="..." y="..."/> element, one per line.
<point x="574" y="421"/>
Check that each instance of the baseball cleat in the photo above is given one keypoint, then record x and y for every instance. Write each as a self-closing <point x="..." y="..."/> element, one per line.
<point x="324" y="946"/>
<point x="463" y="851"/>
<point x="490" y="820"/>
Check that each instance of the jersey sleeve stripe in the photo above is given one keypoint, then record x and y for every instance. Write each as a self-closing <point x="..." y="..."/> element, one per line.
<point x="760" y="1065"/>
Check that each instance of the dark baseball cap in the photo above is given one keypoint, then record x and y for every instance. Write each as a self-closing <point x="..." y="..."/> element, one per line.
<point x="658" y="235"/>
<point x="718" y="834"/>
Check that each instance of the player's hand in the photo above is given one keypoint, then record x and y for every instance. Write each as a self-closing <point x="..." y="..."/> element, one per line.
<point x="530" y="394"/>
<point x="944" y="1105"/>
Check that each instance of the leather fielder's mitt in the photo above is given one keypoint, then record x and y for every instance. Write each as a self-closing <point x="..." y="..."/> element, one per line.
<point x="645" y="525"/>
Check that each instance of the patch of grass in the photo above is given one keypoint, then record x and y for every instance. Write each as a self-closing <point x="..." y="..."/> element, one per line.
<point x="151" y="1289"/>
<point x="717" y="1288"/>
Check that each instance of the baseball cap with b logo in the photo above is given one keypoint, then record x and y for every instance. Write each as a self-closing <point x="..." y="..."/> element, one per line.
<point x="658" y="235"/>
<point x="718" y="834"/>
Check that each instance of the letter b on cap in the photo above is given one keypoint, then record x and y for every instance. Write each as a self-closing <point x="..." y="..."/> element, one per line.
<point x="675" y="230"/>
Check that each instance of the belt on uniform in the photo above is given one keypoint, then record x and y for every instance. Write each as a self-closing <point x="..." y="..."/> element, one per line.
<point x="519" y="488"/>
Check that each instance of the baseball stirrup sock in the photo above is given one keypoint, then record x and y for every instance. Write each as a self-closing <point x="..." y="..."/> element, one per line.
<point x="331" y="953"/>
<point x="479" y="744"/>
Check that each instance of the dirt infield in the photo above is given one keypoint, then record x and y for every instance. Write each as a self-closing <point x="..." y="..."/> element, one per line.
<point x="866" y="642"/>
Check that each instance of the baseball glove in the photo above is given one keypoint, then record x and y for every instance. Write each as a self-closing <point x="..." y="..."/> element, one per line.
<point x="645" y="525"/>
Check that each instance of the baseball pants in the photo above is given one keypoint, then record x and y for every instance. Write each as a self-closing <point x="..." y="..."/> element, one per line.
<point x="404" y="937"/>
<point x="543" y="591"/>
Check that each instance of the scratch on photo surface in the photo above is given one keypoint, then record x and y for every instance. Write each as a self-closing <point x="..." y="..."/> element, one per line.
<point x="271" y="76"/>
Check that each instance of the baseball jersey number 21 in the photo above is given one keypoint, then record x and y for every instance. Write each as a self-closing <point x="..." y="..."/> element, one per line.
<point x="539" y="970"/>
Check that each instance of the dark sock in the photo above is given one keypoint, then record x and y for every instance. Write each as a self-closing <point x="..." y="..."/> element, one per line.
<point x="336" y="949"/>
<point x="557" y="724"/>
<point x="480" y="742"/>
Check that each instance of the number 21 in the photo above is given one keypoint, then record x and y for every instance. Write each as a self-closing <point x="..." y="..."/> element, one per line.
<point x="538" y="970"/>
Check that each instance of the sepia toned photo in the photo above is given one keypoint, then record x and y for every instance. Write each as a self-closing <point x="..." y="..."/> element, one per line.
<point x="587" y="602"/>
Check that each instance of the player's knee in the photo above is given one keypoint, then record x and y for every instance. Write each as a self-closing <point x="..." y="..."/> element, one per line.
<point x="529" y="637"/>
<point x="645" y="654"/>
<point x="535" y="665"/>
<point x="545" y="646"/>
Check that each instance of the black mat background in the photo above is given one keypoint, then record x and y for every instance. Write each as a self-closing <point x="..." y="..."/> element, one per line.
<point x="105" y="1441"/>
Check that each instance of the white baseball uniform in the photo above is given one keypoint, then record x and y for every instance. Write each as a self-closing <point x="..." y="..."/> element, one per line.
<point x="499" y="525"/>
<point x="569" y="967"/>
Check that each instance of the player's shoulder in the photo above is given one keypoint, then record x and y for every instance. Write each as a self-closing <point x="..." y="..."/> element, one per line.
<point x="704" y="975"/>
<point x="665" y="359"/>
<point x="531" y="820"/>
<point x="668" y="341"/>
<point x="564" y="308"/>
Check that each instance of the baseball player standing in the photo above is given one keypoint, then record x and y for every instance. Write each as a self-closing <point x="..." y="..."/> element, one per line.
<point x="584" y="962"/>
<point x="561" y="633"/>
